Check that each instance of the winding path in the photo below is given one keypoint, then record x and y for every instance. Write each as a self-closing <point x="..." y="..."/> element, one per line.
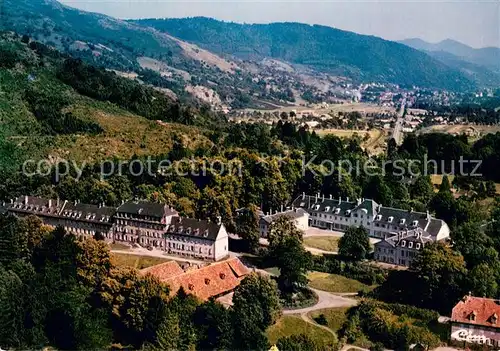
<point x="325" y="300"/>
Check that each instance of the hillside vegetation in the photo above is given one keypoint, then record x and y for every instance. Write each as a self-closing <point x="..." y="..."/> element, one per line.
<point x="55" y="106"/>
<point x="324" y="48"/>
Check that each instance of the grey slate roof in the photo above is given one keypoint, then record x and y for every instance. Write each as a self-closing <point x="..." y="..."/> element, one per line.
<point x="295" y="213"/>
<point x="379" y="213"/>
<point x="89" y="213"/>
<point x="145" y="208"/>
<point x="403" y="238"/>
<point x="193" y="228"/>
<point x="36" y="206"/>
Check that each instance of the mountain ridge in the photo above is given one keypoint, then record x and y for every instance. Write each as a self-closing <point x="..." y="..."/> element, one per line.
<point x="321" y="47"/>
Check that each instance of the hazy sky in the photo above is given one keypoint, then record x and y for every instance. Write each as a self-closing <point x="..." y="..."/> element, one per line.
<point x="473" y="22"/>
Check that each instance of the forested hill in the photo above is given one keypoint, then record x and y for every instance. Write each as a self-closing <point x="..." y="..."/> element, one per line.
<point x="325" y="48"/>
<point x="55" y="106"/>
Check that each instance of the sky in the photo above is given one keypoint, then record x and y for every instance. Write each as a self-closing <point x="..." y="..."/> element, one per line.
<point x="472" y="22"/>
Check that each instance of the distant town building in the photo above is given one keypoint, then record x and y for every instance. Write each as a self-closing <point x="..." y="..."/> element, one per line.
<point x="135" y="222"/>
<point x="211" y="281"/>
<point x="298" y="215"/>
<point x="475" y="320"/>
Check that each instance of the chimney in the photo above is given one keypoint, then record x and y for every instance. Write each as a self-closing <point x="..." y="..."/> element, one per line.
<point x="316" y="198"/>
<point x="11" y="201"/>
<point x="331" y="196"/>
<point x="281" y="208"/>
<point x="323" y="197"/>
<point x="303" y="195"/>
<point x="219" y="220"/>
<point x="25" y="199"/>
<point x="50" y="203"/>
<point x="340" y="200"/>
<point x="358" y="201"/>
<point x="58" y="201"/>
<point x="347" y="199"/>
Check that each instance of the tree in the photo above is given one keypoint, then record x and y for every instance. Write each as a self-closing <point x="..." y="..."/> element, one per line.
<point x="422" y="189"/>
<point x="439" y="277"/>
<point x="293" y="262"/>
<point x="355" y="243"/>
<point x="215" y="331"/>
<point x="247" y="227"/>
<point x="491" y="189"/>
<point x="282" y="228"/>
<point x="256" y="306"/>
<point x="483" y="280"/>
<point x="445" y="185"/>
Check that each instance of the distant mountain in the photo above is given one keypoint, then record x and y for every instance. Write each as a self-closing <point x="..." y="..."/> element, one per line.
<point x="324" y="48"/>
<point x="488" y="57"/>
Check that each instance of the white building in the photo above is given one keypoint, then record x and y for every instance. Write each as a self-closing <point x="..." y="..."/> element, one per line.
<point x="381" y="222"/>
<point x="299" y="216"/>
<point x="144" y="223"/>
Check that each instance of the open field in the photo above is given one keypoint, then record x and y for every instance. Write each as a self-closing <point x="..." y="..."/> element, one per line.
<point x="437" y="179"/>
<point x="136" y="261"/>
<point x="322" y="242"/>
<point x="295" y="325"/>
<point x="335" y="283"/>
<point x="373" y="141"/>
<point x="335" y="317"/>
<point x="473" y="131"/>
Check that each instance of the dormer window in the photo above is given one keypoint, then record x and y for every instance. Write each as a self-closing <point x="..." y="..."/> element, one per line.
<point x="222" y="276"/>
<point x="410" y="244"/>
<point x="390" y="219"/>
<point x="327" y="208"/>
<point x="191" y="287"/>
<point x="472" y="316"/>
<point x="207" y="281"/>
<point x="494" y="319"/>
<point x="378" y="218"/>
<point x="337" y="210"/>
<point x="403" y="243"/>
<point x="402" y="221"/>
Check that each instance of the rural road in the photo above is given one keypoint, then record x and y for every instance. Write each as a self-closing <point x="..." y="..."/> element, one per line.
<point x="398" y="127"/>
<point x="325" y="300"/>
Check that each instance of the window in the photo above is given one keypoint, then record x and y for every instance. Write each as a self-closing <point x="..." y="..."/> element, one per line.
<point x="403" y="243"/>
<point x="410" y="244"/>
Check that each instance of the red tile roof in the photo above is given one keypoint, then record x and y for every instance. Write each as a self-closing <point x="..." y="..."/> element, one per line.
<point x="164" y="271"/>
<point x="213" y="280"/>
<point x="478" y="311"/>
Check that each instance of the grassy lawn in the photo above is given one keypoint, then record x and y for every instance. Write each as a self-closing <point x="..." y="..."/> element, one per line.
<point x="335" y="283"/>
<point x="118" y="246"/>
<point x="294" y="325"/>
<point x="136" y="261"/>
<point x="335" y="317"/>
<point x="326" y="243"/>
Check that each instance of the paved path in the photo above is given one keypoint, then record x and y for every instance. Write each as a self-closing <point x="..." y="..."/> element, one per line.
<point x="316" y="251"/>
<point x="325" y="300"/>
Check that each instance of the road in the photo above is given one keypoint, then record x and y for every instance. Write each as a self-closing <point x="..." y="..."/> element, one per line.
<point x="325" y="300"/>
<point x="397" y="133"/>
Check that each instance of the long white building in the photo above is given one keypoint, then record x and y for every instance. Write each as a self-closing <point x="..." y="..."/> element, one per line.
<point x="144" y="223"/>
<point x="381" y="222"/>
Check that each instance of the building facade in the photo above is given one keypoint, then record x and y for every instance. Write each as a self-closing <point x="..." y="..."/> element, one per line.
<point x="143" y="223"/>
<point x="402" y="248"/>
<point x="476" y="320"/>
<point x="379" y="221"/>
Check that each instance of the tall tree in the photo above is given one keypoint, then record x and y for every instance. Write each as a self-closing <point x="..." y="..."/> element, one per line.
<point x="440" y="274"/>
<point x="355" y="243"/>
<point x="247" y="227"/>
<point x="256" y="307"/>
<point x="293" y="262"/>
